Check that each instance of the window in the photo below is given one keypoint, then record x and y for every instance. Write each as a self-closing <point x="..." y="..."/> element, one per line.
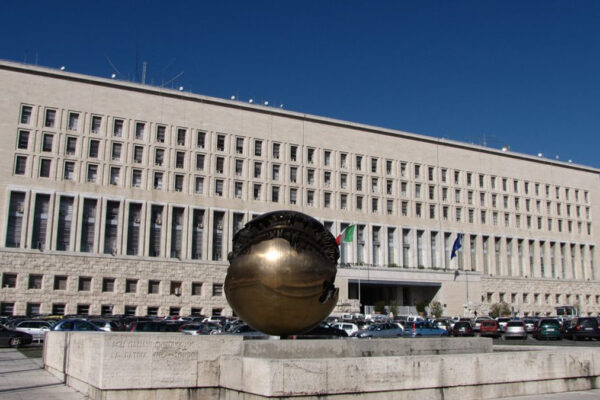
<point x="359" y="202"/>
<point x="344" y="181"/>
<point x="60" y="283"/>
<point x="114" y="175"/>
<point x="239" y="188"/>
<point x="94" y="148"/>
<point x="200" y="139"/>
<point x="181" y="132"/>
<point x="179" y="159"/>
<point x="390" y="206"/>
<point x="293" y="174"/>
<point x="47" y="142"/>
<point x="160" y="133"/>
<point x="33" y="309"/>
<point x="358" y="162"/>
<point x="158" y="180"/>
<point x="71" y="145"/>
<point x="58" y="308"/>
<point x="69" y="171"/>
<point x="26" y="112"/>
<point x="310" y="197"/>
<point x="275" y="172"/>
<point x="293" y="153"/>
<point x="35" y="281"/>
<point x="239" y="167"/>
<point x="217" y="289"/>
<point x="50" y="119"/>
<point x="9" y="280"/>
<point x="343" y="158"/>
<point x="118" y="127"/>
<point x="456" y="177"/>
<point x="293" y="195"/>
<point x="136" y="178"/>
<point x="275" y="194"/>
<point x="469" y="178"/>
<point x="175" y="289"/>
<point x="116" y="151"/>
<point x="373" y="165"/>
<point x="220" y="142"/>
<point x="256" y="191"/>
<point x="196" y="288"/>
<point x="23" y="141"/>
<point x="84" y="284"/>
<point x="310" y="156"/>
<point x="92" y="173"/>
<point x="327" y="157"/>
<point x="343" y="201"/>
<point x="45" y="167"/>
<point x="258" y="148"/>
<point x="444" y="174"/>
<point x="159" y="156"/>
<point x="108" y="284"/>
<point x="199" y="185"/>
<point x="430" y="171"/>
<point x="327" y="200"/>
<point x="140" y="127"/>
<point x="310" y="176"/>
<point x="374" y="204"/>
<point x="96" y="124"/>
<point x="138" y="153"/>
<point x="73" y="123"/>
<point x="417" y="171"/>
<point x="404" y="208"/>
<point x="219" y="187"/>
<point x="257" y="169"/>
<point x="153" y="287"/>
<point x="220" y="166"/>
<point x="178" y="183"/>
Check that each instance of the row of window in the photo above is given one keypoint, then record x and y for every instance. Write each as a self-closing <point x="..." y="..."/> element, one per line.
<point x="7" y="308"/>
<point x="145" y="229"/>
<point x="540" y="298"/>
<point x="107" y="285"/>
<point x="491" y="182"/>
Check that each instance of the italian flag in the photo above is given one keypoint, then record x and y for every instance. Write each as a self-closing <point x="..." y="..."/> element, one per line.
<point x="346" y="236"/>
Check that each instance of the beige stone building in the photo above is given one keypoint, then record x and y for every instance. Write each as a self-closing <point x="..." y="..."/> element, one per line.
<point x="123" y="198"/>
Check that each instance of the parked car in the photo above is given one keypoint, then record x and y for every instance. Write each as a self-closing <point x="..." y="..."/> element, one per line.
<point x="548" y="328"/>
<point x="36" y="328"/>
<point x="530" y="325"/>
<point x="13" y="338"/>
<point x="349" y="327"/>
<point x="153" y="326"/>
<point x="583" y="328"/>
<point x="388" y="329"/>
<point x="515" y="329"/>
<point x="443" y="323"/>
<point x="423" y="329"/>
<point x="502" y="321"/>
<point x="205" y="329"/>
<point x="479" y="320"/>
<point x="107" y="325"/>
<point x="248" y="332"/>
<point x="462" y="328"/>
<point x="322" y="331"/>
<point x="76" y="325"/>
<point x="489" y="327"/>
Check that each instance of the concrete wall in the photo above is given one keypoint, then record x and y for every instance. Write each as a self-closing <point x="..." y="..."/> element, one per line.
<point x="132" y="366"/>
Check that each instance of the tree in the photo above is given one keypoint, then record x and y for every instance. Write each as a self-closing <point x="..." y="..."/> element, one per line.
<point x="499" y="310"/>
<point x="436" y="309"/>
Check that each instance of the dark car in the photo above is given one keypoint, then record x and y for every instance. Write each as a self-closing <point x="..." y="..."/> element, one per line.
<point x="322" y="331"/>
<point x="380" y="331"/>
<point x="153" y="326"/>
<point x="462" y="328"/>
<point x="12" y="338"/>
<point x="79" y="325"/>
<point x="548" y="328"/>
<point x="583" y="328"/>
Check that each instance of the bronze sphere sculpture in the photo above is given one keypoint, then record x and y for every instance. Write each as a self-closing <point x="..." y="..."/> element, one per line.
<point x="281" y="273"/>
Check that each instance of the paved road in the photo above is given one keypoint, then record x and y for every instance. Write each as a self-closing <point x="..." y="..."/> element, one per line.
<point x="22" y="377"/>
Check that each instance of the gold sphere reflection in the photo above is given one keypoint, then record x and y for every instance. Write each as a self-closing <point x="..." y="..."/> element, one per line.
<point x="281" y="273"/>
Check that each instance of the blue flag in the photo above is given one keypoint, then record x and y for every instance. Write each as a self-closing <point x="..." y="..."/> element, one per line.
<point x="456" y="246"/>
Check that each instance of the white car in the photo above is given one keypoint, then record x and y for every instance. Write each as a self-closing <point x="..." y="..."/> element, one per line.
<point x="35" y="328"/>
<point x="349" y="327"/>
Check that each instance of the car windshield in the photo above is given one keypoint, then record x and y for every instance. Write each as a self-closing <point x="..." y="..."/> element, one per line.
<point x="549" y="322"/>
<point x="514" y="323"/>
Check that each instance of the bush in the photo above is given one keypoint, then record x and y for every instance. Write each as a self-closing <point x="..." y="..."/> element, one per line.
<point x="380" y="307"/>
<point x="436" y="309"/>
<point x="499" y="310"/>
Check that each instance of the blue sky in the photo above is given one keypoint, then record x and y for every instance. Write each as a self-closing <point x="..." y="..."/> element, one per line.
<point x="520" y="73"/>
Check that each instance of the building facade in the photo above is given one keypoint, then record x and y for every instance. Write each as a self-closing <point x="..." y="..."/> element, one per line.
<point x="121" y="198"/>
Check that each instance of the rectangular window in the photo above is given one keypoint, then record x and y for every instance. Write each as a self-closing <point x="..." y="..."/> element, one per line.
<point x="178" y="183"/>
<point x="217" y="289"/>
<point x="196" y="288"/>
<point x="47" y="140"/>
<point x="181" y="133"/>
<point x="133" y="229"/>
<point x="220" y="165"/>
<point x="275" y="194"/>
<point x="58" y="309"/>
<point x="96" y="124"/>
<point x="179" y="159"/>
<point x="23" y="140"/>
<point x="197" y="233"/>
<point x="217" y="249"/>
<point x="45" y="165"/>
<point x="88" y="225"/>
<point x="258" y="148"/>
<point x="136" y="178"/>
<point x="294" y="195"/>
<point x="140" y="127"/>
<point x="60" y="283"/>
<point x="200" y="139"/>
<point x="153" y="287"/>
<point x="138" y="154"/>
<point x="50" y="119"/>
<point x="26" y="112"/>
<point x="33" y="309"/>
<point x="118" y="127"/>
<point x="239" y="167"/>
<point x="114" y="175"/>
<point x="111" y="225"/>
<point x="108" y="284"/>
<point x="220" y="142"/>
<point x="256" y="191"/>
<point x="158" y="181"/>
<point x="160" y="133"/>
<point x="9" y="280"/>
<point x="155" y="239"/>
<point x="199" y="185"/>
<point x="94" y="149"/>
<point x="219" y="187"/>
<point x="35" y="281"/>
<point x="239" y="187"/>
<point x="71" y="146"/>
<point x="177" y="232"/>
<point x="116" y="151"/>
<point x="239" y="145"/>
<point x="73" y="123"/>
<point x="65" y="219"/>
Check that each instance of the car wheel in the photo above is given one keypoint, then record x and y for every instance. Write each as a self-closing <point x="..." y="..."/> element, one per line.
<point x="15" y="342"/>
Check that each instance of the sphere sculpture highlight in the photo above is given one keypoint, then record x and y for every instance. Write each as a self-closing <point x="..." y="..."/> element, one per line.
<point x="281" y="273"/>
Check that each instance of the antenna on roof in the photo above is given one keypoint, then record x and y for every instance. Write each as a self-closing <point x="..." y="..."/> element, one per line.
<point x="115" y="70"/>
<point x="172" y="79"/>
<point x="144" y="66"/>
